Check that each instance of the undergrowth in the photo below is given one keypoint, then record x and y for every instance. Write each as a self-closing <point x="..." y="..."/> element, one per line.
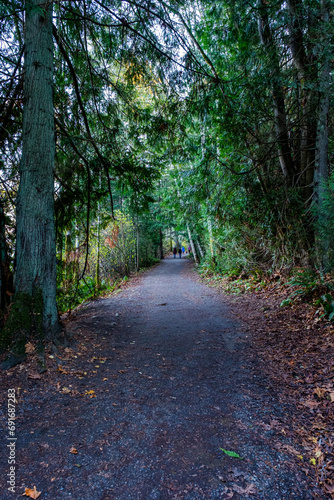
<point x="86" y="289"/>
<point x="310" y="286"/>
<point x="303" y="285"/>
<point x="74" y="293"/>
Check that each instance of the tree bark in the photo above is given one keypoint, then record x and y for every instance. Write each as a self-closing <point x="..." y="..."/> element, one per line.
<point x="35" y="245"/>
<point x="5" y="274"/>
<point x="321" y="153"/>
<point x="200" y="249"/>
<point x="307" y="106"/>
<point x="98" y="246"/>
<point x="321" y="171"/>
<point x="282" y="137"/>
<point x="161" y="244"/>
<point x="211" y="238"/>
<point x="192" y="244"/>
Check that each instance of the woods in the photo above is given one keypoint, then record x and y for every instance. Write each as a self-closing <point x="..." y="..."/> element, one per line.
<point x="128" y="125"/>
<point x="131" y="130"/>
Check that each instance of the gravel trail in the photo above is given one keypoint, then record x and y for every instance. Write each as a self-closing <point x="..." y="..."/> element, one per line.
<point x="174" y="382"/>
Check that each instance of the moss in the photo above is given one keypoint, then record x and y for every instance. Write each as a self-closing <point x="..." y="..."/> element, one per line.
<point x="25" y="323"/>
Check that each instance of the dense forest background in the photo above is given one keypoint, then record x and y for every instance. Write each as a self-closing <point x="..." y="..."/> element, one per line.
<point x="129" y="127"/>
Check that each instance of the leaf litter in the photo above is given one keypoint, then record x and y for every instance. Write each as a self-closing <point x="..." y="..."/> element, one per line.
<point x="294" y="349"/>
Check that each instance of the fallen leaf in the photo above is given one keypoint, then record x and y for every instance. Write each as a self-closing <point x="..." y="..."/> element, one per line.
<point x="310" y="404"/>
<point x="90" y="393"/>
<point x="249" y="490"/>
<point x="290" y="449"/>
<point x="231" y="454"/>
<point x="320" y="392"/>
<point x="65" y="390"/>
<point x="31" y="493"/>
<point x="61" y="369"/>
<point x="29" y="348"/>
<point x="35" y="376"/>
<point x="329" y="489"/>
<point x="73" y="450"/>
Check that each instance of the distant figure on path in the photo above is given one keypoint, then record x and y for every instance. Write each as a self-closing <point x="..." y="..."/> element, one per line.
<point x="180" y="251"/>
<point x="189" y="249"/>
<point x="174" y="252"/>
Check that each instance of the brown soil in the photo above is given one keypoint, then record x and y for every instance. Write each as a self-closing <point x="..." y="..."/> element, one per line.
<point x="164" y="393"/>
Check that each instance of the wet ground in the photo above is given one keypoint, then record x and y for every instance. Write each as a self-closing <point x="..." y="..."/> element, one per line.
<point x="158" y="382"/>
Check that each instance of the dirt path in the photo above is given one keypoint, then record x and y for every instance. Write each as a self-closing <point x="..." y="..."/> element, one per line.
<point x="160" y="378"/>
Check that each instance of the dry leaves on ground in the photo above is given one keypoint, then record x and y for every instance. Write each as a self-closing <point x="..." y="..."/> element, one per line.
<point x="32" y="493"/>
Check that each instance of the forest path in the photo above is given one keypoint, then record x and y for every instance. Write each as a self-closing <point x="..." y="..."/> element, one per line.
<point x="174" y="381"/>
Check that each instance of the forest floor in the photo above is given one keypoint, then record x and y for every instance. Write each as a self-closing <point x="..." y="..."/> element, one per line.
<point x="171" y="390"/>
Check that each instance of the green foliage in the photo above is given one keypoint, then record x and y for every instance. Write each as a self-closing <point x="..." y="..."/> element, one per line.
<point x="309" y="286"/>
<point x="82" y="291"/>
<point x="178" y="134"/>
<point x="232" y="454"/>
<point x="306" y="284"/>
<point x="326" y="301"/>
<point x="111" y="257"/>
<point x="287" y="302"/>
<point x="26" y="322"/>
<point x="324" y="224"/>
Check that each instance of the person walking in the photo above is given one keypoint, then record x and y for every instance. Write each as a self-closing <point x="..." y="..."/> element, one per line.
<point x="183" y="249"/>
<point x="174" y="252"/>
<point x="180" y="251"/>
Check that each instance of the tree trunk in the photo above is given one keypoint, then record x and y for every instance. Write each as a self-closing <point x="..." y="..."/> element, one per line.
<point x="5" y="274"/>
<point x="321" y="161"/>
<point x="321" y="171"/>
<point x="282" y="137"/>
<point x="192" y="244"/>
<point x="98" y="245"/>
<point x="200" y="249"/>
<point x="211" y="238"/>
<point x="307" y="105"/>
<point x="35" y="311"/>
<point x="137" y="246"/>
<point x="161" y="245"/>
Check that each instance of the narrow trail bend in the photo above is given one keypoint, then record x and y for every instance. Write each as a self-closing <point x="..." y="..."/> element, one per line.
<point x="174" y="382"/>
